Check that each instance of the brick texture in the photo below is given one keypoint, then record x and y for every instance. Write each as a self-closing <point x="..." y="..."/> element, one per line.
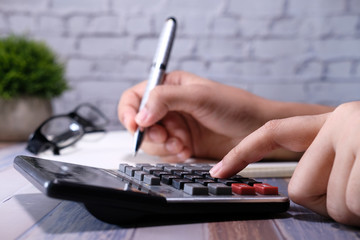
<point x="290" y="50"/>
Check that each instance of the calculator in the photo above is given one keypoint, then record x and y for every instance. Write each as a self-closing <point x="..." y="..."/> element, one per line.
<point x="160" y="193"/>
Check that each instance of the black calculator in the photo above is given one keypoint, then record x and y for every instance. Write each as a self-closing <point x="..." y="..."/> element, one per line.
<point x="153" y="193"/>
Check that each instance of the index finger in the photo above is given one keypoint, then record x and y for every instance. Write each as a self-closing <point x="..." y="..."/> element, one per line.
<point x="295" y="134"/>
<point x="129" y="104"/>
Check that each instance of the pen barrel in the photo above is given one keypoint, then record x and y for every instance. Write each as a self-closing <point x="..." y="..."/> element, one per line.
<point x="161" y="58"/>
<point x="165" y="44"/>
<point x="155" y="78"/>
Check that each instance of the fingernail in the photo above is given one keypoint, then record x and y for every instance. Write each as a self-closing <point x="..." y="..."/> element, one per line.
<point x="141" y="117"/>
<point x="216" y="168"/>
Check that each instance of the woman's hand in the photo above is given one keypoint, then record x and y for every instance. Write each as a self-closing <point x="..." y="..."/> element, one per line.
<point x="191" y="116"/>
<point x="327" y="178"/>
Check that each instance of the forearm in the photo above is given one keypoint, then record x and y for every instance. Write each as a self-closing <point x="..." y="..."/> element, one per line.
<point x="276" y="109"/>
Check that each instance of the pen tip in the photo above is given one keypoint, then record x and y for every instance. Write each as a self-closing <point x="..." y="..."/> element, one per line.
<point x="138" y="140"/>
<point x="137" y="147"/>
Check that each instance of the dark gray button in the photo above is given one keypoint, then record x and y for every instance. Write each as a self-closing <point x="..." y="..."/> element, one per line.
<point x="179" y="183"/>
<point x="195" y="189"/>
<point x="192" y="177"/>
<point x="219" y="189"/>
<point x="225" y="181"/>
<point x="167" y="179"/>
<point x="139" y="175"/>
<point x="122" y="167"/>
<point x="151" y="169"/>
<point x="151" y="180"/>
<point x="130" y="170"/>
<point x="204" y="182"/>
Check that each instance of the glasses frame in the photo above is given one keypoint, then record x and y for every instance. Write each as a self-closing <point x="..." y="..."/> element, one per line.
<point x="38" y="142"/>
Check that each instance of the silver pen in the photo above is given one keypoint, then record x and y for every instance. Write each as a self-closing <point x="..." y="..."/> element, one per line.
<point x="157" y="71"/>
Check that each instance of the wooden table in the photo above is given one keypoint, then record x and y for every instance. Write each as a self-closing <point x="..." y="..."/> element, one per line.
<point x="25" y="213"/>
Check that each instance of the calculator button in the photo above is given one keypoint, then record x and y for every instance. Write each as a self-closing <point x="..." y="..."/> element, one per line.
<point x="266" y="189"/>
<point x="159" y="173"/>
<point x="178" y="183"/>
<point x="192" y="177"/>
<point x="192" y="169"/>
<point x="208" y="176"/>
<point x="122" y="167"/>
<point x="162" y="165"/>
<point x="219" y="189"/>
<point x="171" y="169"/>
<point x="243" y="189"/>
<point x="239" y="178"/>
<point x="195" y="189"/>
<point x="139" y="175"/>
<point x="182" y="165"/>
<point x="142" y="165"/>
<point x="204" y="182"/>
<point x="249" y="181"/>
<point x="180" y="172"/>
<point x="131" y="170"/>
<point x="201" y="172"/>
<point x="227" y="182"/>
<point x="167" y="179"/>
<point x="151" y="180"/>
<point x="151" y="169"/>
<point x="204" y="165"/>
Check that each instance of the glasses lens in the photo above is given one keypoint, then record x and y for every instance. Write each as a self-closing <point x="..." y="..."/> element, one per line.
<point x="92" y="114"/>
<point x="63" y="131"/>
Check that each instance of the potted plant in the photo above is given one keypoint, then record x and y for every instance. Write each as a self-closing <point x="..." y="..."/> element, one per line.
<point x="30" y="76"/>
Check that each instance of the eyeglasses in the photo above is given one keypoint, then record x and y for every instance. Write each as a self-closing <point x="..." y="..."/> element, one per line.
<point x="61" y="131"/>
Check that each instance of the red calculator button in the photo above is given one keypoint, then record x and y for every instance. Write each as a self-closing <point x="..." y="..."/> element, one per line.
<point x="266" y="189"/>
<point x="242" y="189"/>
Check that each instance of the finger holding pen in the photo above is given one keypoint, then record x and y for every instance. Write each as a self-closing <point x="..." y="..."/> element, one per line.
<point x="129" y="104"/>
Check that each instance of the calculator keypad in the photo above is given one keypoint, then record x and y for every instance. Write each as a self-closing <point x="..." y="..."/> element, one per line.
<point x="195" y="180"/>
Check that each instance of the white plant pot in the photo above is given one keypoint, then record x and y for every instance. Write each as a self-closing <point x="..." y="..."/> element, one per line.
<point x="21" y="116"/>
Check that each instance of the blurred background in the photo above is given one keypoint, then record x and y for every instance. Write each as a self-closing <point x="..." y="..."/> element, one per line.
<point x="290" y="50"/>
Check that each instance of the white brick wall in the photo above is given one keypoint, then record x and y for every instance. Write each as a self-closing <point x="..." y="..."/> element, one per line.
<point x="64" y="46"/>
<point x="51" y="25"/>
<point x="259" y="8"/>
<point x="23" y="5"/>
<point x="221" y="48"/>
<point x="340" y="70"/>
<point x="291" y="50"/>
<point x="338" y="48"/>
<point x="316" y="8"/>
<point x="104" y="46"/>
<point x="354" y="6"/>
<point x="280" y="48"/>
<point x="21" y="23"/>
<point x="79" y="6"/>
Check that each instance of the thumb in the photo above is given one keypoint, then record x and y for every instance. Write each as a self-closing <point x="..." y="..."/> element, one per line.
<point x="294" y="134"/>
